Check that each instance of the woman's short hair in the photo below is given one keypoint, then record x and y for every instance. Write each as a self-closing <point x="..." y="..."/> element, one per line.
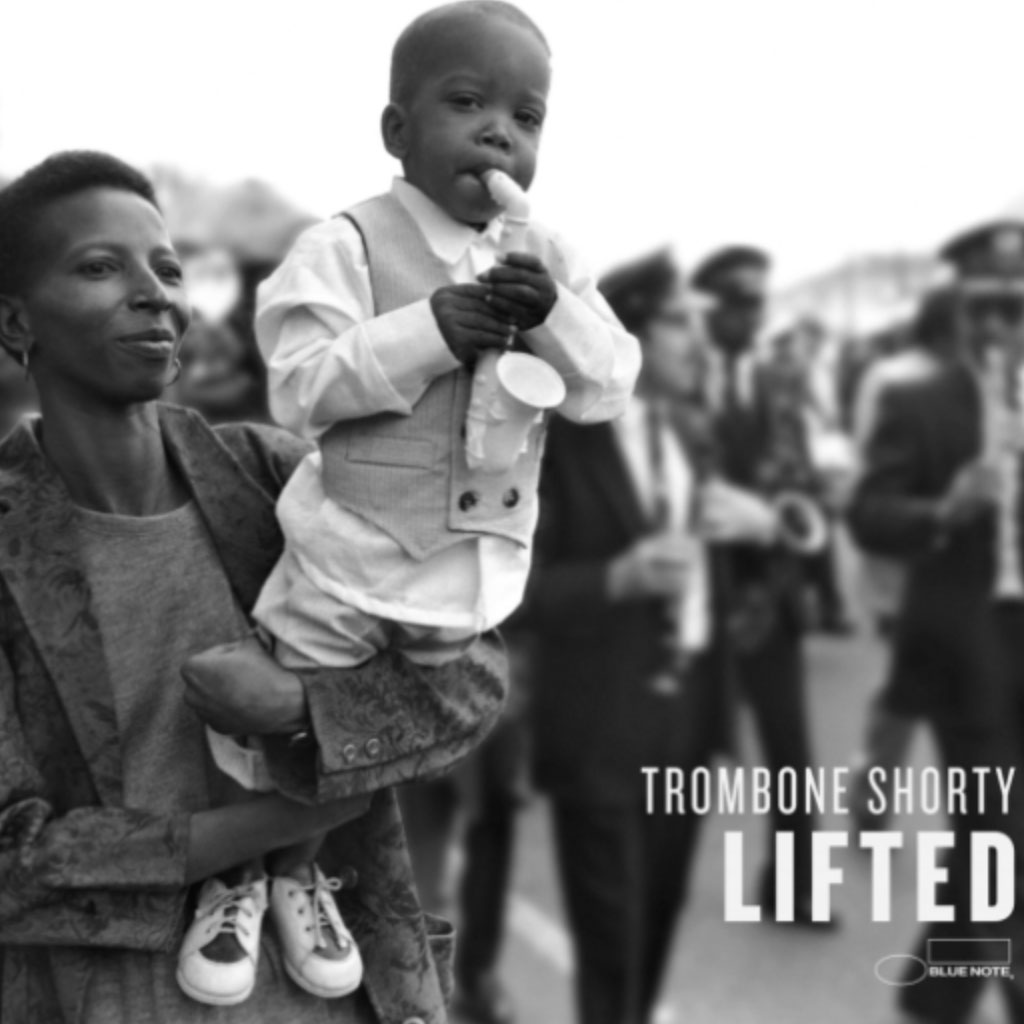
<point x="24" y="200"/>
<point x="636" y="290"/>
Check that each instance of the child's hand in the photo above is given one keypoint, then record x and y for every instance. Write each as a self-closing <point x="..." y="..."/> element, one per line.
<point x="468" y="322"/>
<point x="522" y="290"/>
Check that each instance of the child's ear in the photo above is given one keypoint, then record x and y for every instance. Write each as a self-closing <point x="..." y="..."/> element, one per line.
<point x="393" y="130"/>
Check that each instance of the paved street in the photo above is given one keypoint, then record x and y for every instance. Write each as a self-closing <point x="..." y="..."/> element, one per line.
<point x="746" y="973"/>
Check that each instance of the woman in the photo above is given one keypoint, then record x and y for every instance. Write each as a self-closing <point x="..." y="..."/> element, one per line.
<point x="131" y="536"/>
<point x="629" y="668"/>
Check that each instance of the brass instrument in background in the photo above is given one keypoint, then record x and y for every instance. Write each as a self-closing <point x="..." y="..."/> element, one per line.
<point x="1001" y="399"/>
<point x="786" y="477"/>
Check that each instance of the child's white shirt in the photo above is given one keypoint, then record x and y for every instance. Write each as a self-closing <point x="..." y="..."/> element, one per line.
<point x="330" y="359"/>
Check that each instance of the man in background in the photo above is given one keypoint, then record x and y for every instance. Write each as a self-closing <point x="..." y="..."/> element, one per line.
<point x="762" y="447"/>
<point x="940" y="491"/>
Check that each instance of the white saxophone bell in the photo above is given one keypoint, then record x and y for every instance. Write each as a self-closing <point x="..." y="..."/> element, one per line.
<point x="802" y="525"/>
<point x="510" y="390"/>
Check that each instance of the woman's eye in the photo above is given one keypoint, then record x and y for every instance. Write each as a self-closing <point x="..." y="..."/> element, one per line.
<point x="171" y="272"/>
<point x="96" y="268"/>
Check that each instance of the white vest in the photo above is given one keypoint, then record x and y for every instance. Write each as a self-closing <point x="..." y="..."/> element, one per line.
<point x="408" y="474"/>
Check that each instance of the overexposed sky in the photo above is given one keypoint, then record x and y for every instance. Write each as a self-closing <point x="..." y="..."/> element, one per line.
<point x="817" y="128"/>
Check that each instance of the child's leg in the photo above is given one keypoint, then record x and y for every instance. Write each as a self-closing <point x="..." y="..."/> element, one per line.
<point x="308" y="629"/>
<point x="432" y="645"/>
<point x="312" y="629"/>
<point x="354" y="638"/>
<point x="226" y="948"/>
<point x="424" y="645"/>
<point x="219" y="955"/>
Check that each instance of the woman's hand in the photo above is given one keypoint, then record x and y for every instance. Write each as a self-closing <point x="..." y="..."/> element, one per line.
<point x="973" y="492"/>
<point x="731" y="515"/>
<point x="238" y="689"/>
<point x="655" y="566"/>
<point x="22" y="824"/>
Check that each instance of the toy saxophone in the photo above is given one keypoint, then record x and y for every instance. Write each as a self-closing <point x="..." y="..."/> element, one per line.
<point x="1001" y="437"/>
<point x="511" y="390"/>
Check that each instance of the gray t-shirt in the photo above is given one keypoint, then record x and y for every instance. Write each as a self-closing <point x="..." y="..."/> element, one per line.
<point x="160" y="594"/>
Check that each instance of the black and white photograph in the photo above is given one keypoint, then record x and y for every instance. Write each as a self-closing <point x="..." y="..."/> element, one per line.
<point x="512" y="512"/>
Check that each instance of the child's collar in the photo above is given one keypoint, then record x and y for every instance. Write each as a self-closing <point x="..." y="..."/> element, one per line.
<point x="449" y="239"/>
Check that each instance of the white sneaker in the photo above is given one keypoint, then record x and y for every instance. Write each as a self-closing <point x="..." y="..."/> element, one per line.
<point x="222" y="910"/>
<point x="306" y="917"/>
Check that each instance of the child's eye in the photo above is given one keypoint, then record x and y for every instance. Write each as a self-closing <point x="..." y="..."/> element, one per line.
<point x="530" y="118"/>
<point x="464" y="101"/>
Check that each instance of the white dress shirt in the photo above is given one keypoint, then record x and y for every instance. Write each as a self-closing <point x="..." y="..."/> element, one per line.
<point x="632" y="430"/>
<point x="329" y="358"/>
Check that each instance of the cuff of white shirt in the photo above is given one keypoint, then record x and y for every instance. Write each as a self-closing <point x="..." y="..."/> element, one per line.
<point x="568" y="315"/>
<point x="571" y="340"/>
<point x="410" y="348"/>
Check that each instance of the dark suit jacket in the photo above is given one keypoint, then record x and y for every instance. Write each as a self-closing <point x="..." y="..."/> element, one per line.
<point x="744" y="439"/>
<point x="595" y="720"/>
<point x="947" y="648"/>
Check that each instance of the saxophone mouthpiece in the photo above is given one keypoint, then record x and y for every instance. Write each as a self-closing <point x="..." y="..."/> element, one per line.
<point x="507" y="194"/>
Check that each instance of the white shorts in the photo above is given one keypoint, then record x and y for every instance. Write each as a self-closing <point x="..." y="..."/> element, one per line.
<point x="312" y="629"/>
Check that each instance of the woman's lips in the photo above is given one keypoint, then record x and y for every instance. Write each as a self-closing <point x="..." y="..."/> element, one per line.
<point x="152" y="344"/>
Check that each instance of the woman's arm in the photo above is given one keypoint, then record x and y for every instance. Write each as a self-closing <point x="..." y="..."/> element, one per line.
<point x="226" y="836"/>
<point x="107" y="876"/>
<point x="366" y="728"/>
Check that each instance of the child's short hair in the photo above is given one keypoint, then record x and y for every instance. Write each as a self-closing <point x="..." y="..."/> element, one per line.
<point x="23" y="201"/>
<point x="407" y="55"/>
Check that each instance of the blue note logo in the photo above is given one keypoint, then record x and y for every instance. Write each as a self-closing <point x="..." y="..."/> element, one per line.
<point x="948" y="958"/>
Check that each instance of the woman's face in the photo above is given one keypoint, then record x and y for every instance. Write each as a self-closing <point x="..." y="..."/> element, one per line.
<point x="106" y="308"/>
<point x="673" y="362"/>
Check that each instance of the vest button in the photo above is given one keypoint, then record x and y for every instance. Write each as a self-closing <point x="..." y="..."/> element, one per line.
<point x="373" y="747"/>
<point x="510" y="498"/>
<point x="468" y="500"/>
<point x="349" y="752"/>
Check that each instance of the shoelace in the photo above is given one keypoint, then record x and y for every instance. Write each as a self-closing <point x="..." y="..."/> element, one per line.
<point x="323" y="903"/>
<point x="227" y="901"/>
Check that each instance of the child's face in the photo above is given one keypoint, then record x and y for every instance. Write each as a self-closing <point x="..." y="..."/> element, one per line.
<point x="479" y="105"/>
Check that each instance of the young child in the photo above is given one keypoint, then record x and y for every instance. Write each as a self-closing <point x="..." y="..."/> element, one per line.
<point x="370" y="329"/>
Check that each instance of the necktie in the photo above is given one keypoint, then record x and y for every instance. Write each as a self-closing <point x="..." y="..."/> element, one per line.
<point x="661" y="506"/>
<point x="731" y="395"/>
<point x="667" y="681"/>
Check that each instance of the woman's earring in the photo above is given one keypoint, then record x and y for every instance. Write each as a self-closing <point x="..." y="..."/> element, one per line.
<point x="177" y="373"/>
<point x="24" y="364"/>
